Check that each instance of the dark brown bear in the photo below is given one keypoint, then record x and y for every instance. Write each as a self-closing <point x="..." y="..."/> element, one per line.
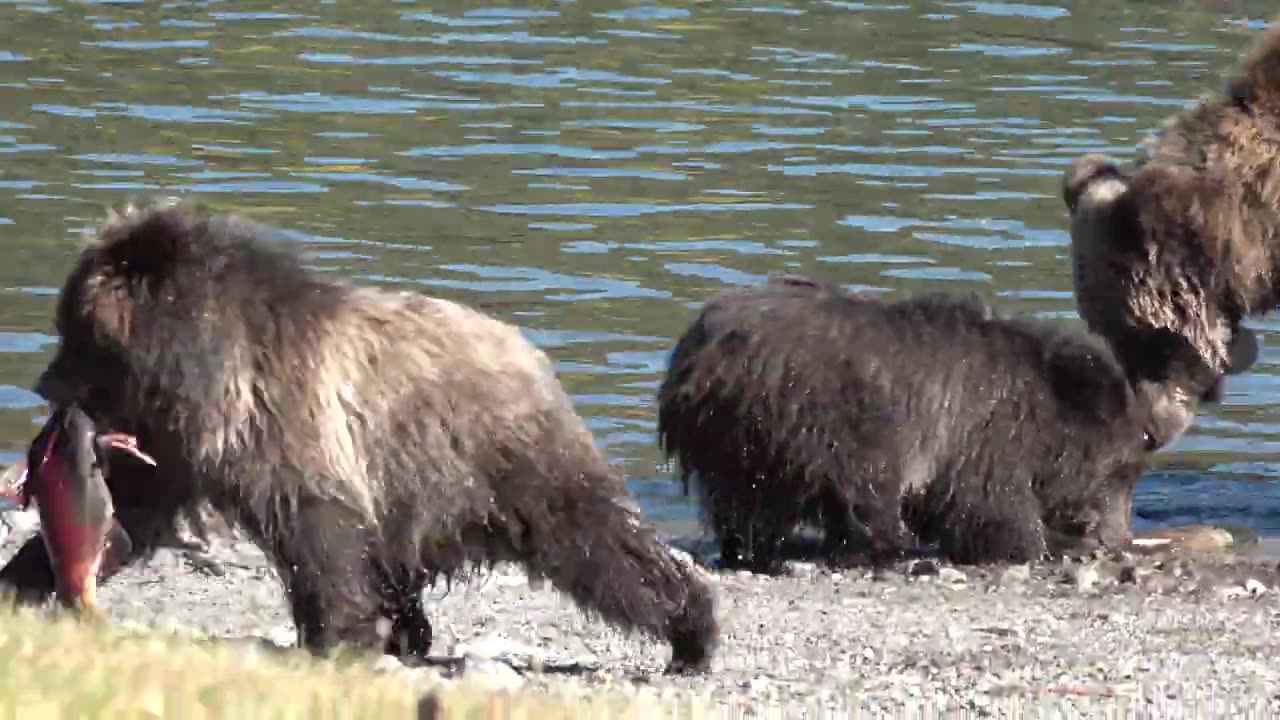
<point x="930" y="419"/>
<point x="1187" y="242"/>
<point x="368" y="441"/>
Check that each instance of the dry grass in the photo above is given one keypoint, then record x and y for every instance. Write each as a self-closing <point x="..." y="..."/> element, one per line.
<point x="62" y="668"/>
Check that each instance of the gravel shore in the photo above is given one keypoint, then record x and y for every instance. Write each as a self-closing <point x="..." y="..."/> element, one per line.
<point x="1157" y="635"/>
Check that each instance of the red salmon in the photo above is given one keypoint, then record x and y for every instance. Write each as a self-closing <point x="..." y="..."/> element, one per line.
<point x="77" y="519"/>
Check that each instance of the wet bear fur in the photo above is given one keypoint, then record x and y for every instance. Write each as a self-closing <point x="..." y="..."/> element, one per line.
<point x="891" y="424"/>
<point x="1187" y="241"/>
<point x="368" y="441"/>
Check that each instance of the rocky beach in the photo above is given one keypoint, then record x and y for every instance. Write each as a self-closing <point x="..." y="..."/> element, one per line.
<point x="1168" y="633"/>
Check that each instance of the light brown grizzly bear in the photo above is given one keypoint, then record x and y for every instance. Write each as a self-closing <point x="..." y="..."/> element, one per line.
<point x="367" y="440"/>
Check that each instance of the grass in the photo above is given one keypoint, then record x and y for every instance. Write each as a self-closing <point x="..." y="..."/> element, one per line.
<point x="54" y="666"/>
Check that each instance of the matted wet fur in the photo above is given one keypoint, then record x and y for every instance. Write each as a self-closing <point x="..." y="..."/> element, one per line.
<point x="368" y="440"/>
<point x="1176" y="252"/>
<point x="926" y="419"/>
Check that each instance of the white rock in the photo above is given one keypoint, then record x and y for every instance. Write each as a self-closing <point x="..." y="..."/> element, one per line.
<point x="282" y="636"/>
<point x="802" y="569"/>
<point x="511" y="580"/>
<point x="1016" y="573"/>
<point x="425" y="678"/>
<point x="387" y="664"/>
<point x="1233" y="593"/>
<point x="1254" y="587"/>
<point x="1086" y="578"/>
<point x="19" y="521"/>
<point x="493" y="675"/>
<point x="496" y="647"/>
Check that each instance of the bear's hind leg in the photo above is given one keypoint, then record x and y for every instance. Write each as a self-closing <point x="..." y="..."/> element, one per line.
<point x="582" y="535"/>
<point x="750" y="541"/>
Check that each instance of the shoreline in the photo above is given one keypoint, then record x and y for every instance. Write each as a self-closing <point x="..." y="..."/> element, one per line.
<point x="1161" y="634"/>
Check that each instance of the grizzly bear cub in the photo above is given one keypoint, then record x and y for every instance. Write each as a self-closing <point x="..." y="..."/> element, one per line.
<point x="926" y="420"/>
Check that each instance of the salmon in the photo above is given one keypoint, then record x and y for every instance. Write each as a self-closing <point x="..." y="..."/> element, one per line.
<point x="65" y="476"/>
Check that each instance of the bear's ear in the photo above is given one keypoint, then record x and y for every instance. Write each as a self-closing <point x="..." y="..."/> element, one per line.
<point x="1126" y="224"/>
<point x="111" y="307"/>
<point x="142" y="242"/>
<point x="131" y="256"/>
<point x="96" y="302"/>
<point x="1257" y="77"/>
<point x="1085" y="376"/>
<point x="1083" y="172"/>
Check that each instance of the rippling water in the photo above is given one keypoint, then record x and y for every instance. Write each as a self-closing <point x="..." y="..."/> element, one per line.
<point x="593" y="171"/>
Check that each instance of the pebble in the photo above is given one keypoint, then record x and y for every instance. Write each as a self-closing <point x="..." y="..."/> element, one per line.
<point x="493" y="646"/>
<point x="388" y="664"/>
<point x="425" y="678"/>
<point x="1087" y="578"/>
<point x="283" y="636"/>
<point x="1233" y="593"/>
<point x="1251" y="588"/>
<point x="493" y="675"/>
<point x="18" y="523"/>
<point x="510" y="580"/>
<point x="888" y="646"/>
<point x="1016" y="574"/>
<point x="802" y="569"/>
<point x="1128" y="575"/>
<point x="923" y="568"/>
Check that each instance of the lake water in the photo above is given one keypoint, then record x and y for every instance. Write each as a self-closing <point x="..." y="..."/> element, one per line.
<point x="594" y="171"/>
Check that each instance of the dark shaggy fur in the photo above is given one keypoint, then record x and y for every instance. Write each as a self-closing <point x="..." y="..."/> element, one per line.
<point x="369" y="441"/>
<point x="1188" y="243"/>
<point x="1000" y="439"/>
